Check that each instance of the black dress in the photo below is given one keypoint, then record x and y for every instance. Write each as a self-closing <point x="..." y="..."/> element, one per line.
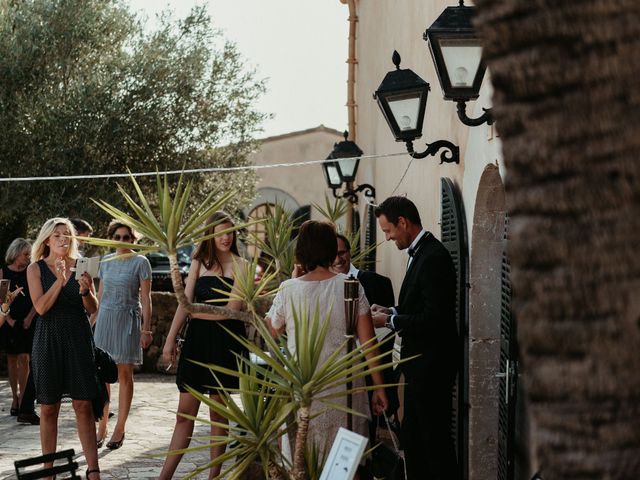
<point x="63" y="352"/>
<point x="209" y="343"/>
<point x="16" y="339"/>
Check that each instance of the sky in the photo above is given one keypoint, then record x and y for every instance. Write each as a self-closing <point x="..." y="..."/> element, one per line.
<point x="299" y="46"/>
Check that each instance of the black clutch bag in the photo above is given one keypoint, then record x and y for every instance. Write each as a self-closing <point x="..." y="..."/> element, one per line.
<point x="106" y="367"/>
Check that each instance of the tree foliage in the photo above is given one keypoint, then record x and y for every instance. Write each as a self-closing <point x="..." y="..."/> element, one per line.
<point x="87" y="89"/>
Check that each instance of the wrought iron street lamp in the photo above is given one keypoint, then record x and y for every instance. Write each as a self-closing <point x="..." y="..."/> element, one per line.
<point x="457" y="54"/>
<point x="341" y="166"/>
<point x="402" y="98"/>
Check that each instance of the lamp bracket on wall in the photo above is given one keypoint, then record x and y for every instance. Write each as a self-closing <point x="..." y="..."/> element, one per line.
<point x="352" y="194"/>
<point x="487" y="116"/>
<point x="450" y="155"/>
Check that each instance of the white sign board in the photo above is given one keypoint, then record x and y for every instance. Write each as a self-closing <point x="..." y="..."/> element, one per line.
<point x="344" y="456"/>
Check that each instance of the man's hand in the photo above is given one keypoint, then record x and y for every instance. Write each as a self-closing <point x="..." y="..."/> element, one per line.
<point x="379" y="308"/>
<point x="379" y="315"/>
<point x="379" y="319"/>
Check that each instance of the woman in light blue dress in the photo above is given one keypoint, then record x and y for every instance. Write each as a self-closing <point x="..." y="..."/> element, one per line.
<point x="123" y="325"/>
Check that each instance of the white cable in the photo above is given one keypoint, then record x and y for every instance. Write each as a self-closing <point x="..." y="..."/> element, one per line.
<point x="193" y="170"/>
<point x="402" y="178"/>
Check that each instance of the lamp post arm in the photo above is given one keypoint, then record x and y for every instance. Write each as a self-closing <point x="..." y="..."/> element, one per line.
<point x="369" y="191"/>
<point x="487" y="116"/>
<point x="450" y="155"/>
<point x="352" y="194"/>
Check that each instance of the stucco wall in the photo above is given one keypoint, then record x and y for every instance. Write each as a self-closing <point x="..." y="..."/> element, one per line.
<point x="385" y="26"/>
<point x="303" y="184"/>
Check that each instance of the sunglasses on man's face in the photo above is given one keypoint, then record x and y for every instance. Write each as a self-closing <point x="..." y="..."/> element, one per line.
<point x="124" y="238"/>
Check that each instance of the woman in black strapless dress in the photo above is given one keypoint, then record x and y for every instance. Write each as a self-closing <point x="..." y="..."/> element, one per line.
<point x="206" y="341"/>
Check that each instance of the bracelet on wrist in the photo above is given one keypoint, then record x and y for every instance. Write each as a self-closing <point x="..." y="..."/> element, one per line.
<point x="2" y="311"/>
<point x="147" y="332"/>
<point x="84" y="294"/>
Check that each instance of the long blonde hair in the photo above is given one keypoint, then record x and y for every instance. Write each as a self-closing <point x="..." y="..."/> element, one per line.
<point x="40" y="249"/>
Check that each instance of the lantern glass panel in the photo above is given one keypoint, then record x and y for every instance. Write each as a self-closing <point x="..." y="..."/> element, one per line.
<point x="334" y="175"/>
<point x="348" y="167"/>
<point x="405" y="108"/>
<point x="462" y="59"/>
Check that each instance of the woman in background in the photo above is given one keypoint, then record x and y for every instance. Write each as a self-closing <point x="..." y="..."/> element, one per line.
<point x="123" y="325"/>
<point x="213" y="265"/>
<point x="17" y="332"/>
<point x="63" y="348"/>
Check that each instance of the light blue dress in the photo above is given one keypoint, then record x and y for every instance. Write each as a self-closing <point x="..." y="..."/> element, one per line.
<point x="119" y="315"/>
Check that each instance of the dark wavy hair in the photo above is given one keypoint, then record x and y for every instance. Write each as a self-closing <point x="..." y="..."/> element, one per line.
<point x="395" y="207"/>
<point x="317" y="245"/>
<point x="206" y="251"/>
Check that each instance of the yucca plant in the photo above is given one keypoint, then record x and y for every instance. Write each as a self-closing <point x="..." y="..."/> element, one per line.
<point x="333" y="210"/>
<point x="168" y="227"/>
<point x="292" y="381"/>
<point x="288" y="383"/>
<point x="278" y="242"/>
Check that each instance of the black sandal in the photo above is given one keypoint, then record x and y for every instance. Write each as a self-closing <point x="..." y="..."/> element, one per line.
<point x="93" y="470"/>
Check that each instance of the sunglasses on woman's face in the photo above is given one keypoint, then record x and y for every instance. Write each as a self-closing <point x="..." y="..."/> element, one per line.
<point x="124" y="238"/>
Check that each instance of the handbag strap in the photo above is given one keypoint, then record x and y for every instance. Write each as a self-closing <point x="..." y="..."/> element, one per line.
<point x="396" y="446"/>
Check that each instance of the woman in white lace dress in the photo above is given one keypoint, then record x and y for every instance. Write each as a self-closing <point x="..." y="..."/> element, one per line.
<point x="316" y="285"/>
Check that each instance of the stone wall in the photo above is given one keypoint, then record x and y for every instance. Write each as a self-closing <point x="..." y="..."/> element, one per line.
<point x="164" y="307"/>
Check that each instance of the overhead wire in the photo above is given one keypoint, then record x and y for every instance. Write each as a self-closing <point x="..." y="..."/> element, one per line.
<point x="186" y="171"/>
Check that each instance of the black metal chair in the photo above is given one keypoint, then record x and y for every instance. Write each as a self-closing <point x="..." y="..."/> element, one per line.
<point x="24" y="473"/>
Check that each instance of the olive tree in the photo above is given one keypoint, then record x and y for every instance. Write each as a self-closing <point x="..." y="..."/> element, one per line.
<point x="87" y="89"/>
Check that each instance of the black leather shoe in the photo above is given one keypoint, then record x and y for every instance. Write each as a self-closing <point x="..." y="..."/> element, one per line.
<point x="31" y="418"/>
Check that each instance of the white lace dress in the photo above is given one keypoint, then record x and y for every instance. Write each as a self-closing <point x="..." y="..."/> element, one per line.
<point x="329" y="295"/>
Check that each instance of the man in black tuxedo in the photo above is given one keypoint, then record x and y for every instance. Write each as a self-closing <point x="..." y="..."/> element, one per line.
<point x="425" y="319"/>
<point x="378" y="290"/>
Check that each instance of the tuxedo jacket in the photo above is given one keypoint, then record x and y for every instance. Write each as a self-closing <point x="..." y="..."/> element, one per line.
<point x="377" y="288"/>
<point x="426" y="314"/>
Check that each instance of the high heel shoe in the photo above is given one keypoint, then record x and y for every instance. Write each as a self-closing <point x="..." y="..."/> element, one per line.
<point x="116" y="445"/>
<point x="100" y="441"/>
<point x="89" y="472"/>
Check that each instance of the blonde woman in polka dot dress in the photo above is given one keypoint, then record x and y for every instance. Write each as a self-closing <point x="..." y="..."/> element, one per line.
<point x="63" y="349"/>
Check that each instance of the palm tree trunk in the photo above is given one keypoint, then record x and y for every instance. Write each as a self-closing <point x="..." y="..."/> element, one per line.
<point x="298" y="472"/>
<point x="178" y="288"/>
<point x="566" y="103"/>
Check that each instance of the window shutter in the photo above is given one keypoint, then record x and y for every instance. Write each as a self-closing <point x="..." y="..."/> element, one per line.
<point x="454" y="237"/>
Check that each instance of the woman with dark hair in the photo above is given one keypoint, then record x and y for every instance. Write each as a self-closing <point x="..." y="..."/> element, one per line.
<point x="123" y="324"/>
<point x="212" y="268"/>
<point x="316" y="284"/>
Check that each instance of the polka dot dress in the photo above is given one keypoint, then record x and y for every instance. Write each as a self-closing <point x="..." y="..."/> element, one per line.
<point x="62" y="356"/>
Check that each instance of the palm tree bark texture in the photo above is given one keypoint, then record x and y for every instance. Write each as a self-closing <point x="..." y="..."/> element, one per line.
<point x="567" y="108"/>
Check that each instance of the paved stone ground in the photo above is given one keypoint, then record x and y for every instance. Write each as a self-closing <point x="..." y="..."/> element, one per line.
<point x="149" y="430"/>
